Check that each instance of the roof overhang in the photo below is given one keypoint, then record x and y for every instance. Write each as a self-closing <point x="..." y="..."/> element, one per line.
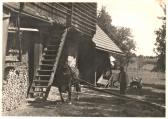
<point x="103" y="42"/>
<point x="110" y="51"/>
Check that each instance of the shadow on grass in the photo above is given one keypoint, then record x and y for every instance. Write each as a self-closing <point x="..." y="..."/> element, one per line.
<point x="98" y="106"/>
<point x="85" y="107"/>
<point x="148" y="92"/>
<point x="45" y="104"/>
<point x="157" y="86"/>
<point x="151" y="96"/>
<point x="102" y="106"/>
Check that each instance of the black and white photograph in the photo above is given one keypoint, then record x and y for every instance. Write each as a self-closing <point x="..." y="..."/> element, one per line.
<point x="101" y="58"/>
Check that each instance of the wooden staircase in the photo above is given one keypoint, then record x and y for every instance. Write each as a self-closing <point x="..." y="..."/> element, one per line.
<point x="44" y="76"/>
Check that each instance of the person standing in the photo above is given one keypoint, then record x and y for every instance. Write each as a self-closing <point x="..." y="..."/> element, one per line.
<point x="122" y="78"/>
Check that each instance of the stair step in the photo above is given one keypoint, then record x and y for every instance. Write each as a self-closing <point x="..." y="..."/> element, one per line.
<point x="42" y="75"/>
<point x="51" y="45"/>
<point x="37" y="92"/>
<point x="50" y="52"/>
<point x="56" y="39"/>
<point x="50" y="65"/>
<point x="48" y="61"/>
<point x="46" y="50"/>
<point x="50" y="55"/>
<point x="46" y="66"/>
<point x="40" y="86"/>
<point x="44" y="70"/>
<point x="41" y="80"/>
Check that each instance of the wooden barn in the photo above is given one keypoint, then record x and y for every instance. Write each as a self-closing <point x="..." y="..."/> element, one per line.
<point x="35" y="38"/>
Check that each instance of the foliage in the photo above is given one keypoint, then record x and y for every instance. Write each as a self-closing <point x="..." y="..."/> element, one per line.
<point x="104" y="21"/>
<point x="120" y="35"/>
<point x="160" y="44"/>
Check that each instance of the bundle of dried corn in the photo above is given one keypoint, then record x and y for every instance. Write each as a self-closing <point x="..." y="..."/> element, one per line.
<point x="14" y="88"/>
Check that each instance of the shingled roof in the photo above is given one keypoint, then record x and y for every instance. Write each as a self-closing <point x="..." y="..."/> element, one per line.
<point x="103" y="42"/>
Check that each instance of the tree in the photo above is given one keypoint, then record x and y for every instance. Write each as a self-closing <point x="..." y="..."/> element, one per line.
<point x="104" y="20"/>
<point x="160" y="43"/>
<point x="125" y="41"/>
<point x="120" y="35"/>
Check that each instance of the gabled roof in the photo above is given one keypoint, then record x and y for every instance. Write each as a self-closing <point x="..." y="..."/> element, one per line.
<point x="103" y="42"/>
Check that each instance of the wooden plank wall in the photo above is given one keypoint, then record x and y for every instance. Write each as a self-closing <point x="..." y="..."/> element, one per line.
<point x="82" y="16"/>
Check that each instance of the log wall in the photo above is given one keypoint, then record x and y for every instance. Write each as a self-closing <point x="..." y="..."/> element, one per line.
<point x="81" y="16"/>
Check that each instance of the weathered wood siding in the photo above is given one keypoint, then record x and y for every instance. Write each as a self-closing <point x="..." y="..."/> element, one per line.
<point x="84" y="17"/>
<point x="81" y="16"/>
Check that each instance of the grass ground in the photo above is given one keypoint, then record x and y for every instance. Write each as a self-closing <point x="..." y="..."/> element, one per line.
<point x="90" y="104"/>
<point x="153" y="84"/>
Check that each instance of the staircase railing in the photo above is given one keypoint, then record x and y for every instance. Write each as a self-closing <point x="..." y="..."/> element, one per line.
<point x="60" y="49"/>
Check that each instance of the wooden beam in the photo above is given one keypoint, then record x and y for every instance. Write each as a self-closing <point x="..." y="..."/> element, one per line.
<point x="22" y="29"/>
<point x="110" y="51"/>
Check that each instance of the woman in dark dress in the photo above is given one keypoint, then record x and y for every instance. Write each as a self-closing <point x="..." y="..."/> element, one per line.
<point x="123" y="80"/>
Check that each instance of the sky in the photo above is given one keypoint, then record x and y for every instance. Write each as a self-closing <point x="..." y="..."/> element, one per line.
<point x="140" y="16"/>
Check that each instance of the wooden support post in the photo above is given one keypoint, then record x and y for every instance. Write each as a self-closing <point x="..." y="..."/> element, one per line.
<point x="38" y="48"/>
<point x="18" y="37"/>
<point x="6" y="18"/>
<point x="95" y="78"/>
<point x="19" y="34"/>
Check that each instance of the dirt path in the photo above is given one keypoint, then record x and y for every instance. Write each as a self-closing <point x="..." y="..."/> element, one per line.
<point x="91" y="104"/>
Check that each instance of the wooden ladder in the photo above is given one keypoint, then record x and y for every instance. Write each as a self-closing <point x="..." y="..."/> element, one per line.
<point x="44" y="77"/>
